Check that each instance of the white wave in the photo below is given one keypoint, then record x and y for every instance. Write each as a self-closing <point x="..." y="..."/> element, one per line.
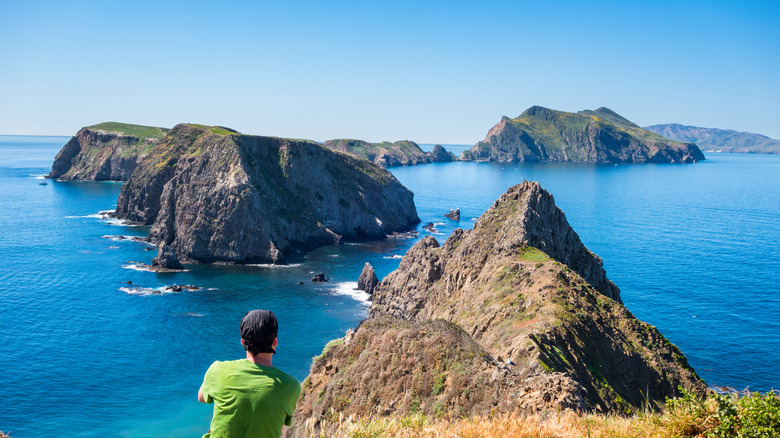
<point x="192" y="314"/>
<point x="94" y="216"/>
<point x="144" y="291"/>
<point x="354" y="243"/>
<point x="333" y="255"/>
<point x="41" y="176"/>
<point x="269" y="265"/>
<point x="394" y="256"/>
<point x="138" y="267"/>
<point x="349" y="289"/>
<point x="119" y="222"/>
<point x="146" y="268"/>
<point x="439" y="223"/>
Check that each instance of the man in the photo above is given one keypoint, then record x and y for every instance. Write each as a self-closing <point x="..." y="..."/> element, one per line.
<point x="251" y="397"/>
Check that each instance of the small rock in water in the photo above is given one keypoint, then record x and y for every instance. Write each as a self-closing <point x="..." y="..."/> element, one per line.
<point x="430" y="227"/>
<point x="453" y="214"/>
<point x="300" y="282"/>
<point x="319" y="278"/>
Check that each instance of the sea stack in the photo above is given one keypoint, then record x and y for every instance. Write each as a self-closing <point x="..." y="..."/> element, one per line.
<point x="519" y="288"/>
<point x="368" y="282"/>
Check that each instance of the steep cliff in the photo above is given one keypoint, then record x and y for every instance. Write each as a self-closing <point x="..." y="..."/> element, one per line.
<point x="601" y="136"/>
<point x="386" y="154"/>
<point x="719" y="140"/>
<point x="215" y="195"/>
<point x="526" y="291"/>
<point x="105" y="152"/>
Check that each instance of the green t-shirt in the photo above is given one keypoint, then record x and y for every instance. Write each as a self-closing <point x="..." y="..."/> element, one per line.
<point x="250" y="400"/>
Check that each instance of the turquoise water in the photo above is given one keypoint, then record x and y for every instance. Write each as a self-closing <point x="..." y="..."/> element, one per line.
<point x="693" y="248"/>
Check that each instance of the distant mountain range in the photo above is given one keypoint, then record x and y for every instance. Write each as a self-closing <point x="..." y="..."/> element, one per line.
<point x="718" y="140"/>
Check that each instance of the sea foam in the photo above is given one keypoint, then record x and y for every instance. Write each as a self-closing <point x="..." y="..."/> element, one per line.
<point x="350" y="289"/>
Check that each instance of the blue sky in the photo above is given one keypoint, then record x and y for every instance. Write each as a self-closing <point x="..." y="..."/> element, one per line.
<point x="428" y="71"/>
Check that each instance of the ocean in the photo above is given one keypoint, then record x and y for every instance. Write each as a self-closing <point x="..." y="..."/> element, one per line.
<point x="693" y="248"/>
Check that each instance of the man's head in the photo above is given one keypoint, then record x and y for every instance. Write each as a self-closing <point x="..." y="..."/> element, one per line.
<point x="258" y="331"/>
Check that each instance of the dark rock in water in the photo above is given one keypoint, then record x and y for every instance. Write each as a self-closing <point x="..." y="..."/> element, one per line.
<point x="218" y="196"/>
<point x="182" y="287"/>
<point x="319" y="278"/>
<point x="428" y="226"/>
<point x="368" y="281"/>
<point x="520" y="286"/>
<point x="600" y="136"/>
<point x="127" y="282"/>
<point x="405" y="235"/>
<point x="105" y="152"/>
<point x="300" y="282"/>
<point x="166" y="258"/>
<point x="453" y="214"/>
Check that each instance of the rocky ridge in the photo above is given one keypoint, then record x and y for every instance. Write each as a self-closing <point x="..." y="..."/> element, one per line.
<point x="386" y="154"/>
<point x="105" y="152"/>
<point x="515" y="314"/>
<point x="719" y="140"/>
<point x="214" y="195"/>
<point x="600" y="136"/>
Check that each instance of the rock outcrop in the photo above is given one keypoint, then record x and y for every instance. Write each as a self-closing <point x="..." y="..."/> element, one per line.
<point x="519" y="288"/>
<point x="453" y="214"/>
<point x="166" y="258"/>
<point x="368" y="281"/>
<point x="600" y="136"/>
<point x="105" y="152"/>
<point x="386" y="154"/>
<point x="719" y="140"/>
<point x="215" y="195"/>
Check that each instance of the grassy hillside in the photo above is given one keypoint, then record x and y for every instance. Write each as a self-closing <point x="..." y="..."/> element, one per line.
<point x="139" y="131"/>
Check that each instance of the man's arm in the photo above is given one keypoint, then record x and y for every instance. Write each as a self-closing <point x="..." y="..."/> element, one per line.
<point x="200" y="395"/>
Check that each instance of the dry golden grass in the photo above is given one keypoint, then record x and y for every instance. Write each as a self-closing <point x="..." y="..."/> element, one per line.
<point x="556" y="425"/>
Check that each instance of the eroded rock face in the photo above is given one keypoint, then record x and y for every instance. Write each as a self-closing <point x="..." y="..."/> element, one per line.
<point x="386" y="154"/>
<point x="166" y="258"/>
<point x="216" y="195"/>
<point x="368" y="282"/>
<point x="600" y="136"/>
<point x="98" y="155"/>
<point x="523" y="289"/>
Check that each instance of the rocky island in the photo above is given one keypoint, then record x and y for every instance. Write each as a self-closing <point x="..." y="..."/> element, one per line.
<point x="386" y="154"/>
<point x="105" y="152"/>
<point x="514" y="315"/>
<point x="600" y="136"/>
<point x="719" y="140"/>
<point x="212" y="194"/>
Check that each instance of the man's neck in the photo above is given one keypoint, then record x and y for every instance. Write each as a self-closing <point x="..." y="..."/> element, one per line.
<point x="264" y="359"/>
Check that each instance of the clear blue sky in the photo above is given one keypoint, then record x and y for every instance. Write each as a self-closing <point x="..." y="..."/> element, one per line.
<point x="428" y="71"/>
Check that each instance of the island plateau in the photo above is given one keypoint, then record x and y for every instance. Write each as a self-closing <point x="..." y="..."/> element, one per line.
<point x="105" y="152"/>
<point x="600" y="136"/>
<point x="719" y="140"/>
<point x="513" y="315"/>
<point x="386" y="154"/>
<point x="214" y="195"/>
